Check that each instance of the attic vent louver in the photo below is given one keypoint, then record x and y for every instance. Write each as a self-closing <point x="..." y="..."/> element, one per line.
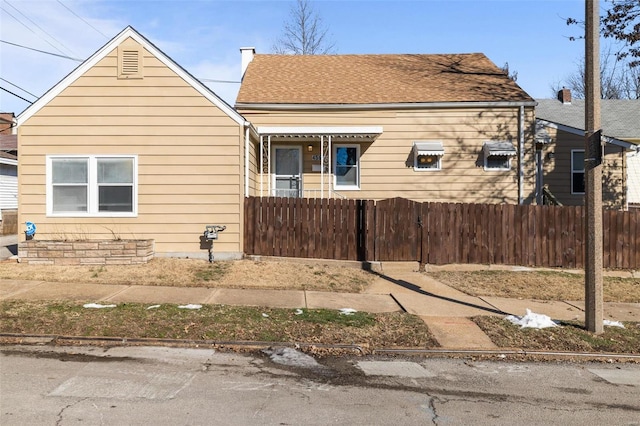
<point x="129" y="63"/>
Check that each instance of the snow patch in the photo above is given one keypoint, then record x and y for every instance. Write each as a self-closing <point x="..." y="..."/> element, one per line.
<point x="299" y="312"/>
<point x="531" y="320"/>
<point x="291" y="357"/>
<point x="153" y="307"/>
<point x="347" y="311"/>
<point x="611" y="323"/>
<point x="190" y="306"/>
<point x="97" y="306"/>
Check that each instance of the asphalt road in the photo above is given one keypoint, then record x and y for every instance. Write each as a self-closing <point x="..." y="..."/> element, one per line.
<point x="173" y="386"/>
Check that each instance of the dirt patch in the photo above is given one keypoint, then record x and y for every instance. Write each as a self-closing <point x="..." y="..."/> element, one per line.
<point x="320" y="276"/>
<point x="539" y="285"/>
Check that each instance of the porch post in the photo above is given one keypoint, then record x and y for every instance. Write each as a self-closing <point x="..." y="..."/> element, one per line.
<point x="269" y="164"/>
<point x="321" y="166"/>
<point x="330" y="175"/>
<point x="261" y="166"/>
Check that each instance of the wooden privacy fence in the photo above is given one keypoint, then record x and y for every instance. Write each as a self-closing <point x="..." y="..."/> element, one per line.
<point x="435" y="233"/>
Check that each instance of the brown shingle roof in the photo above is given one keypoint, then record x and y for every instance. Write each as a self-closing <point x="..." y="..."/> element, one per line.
<point x="8" y="142"/>
<point x="375" y="79"/>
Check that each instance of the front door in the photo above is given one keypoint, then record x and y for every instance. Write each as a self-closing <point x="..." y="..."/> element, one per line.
<point x="287" y="167"/>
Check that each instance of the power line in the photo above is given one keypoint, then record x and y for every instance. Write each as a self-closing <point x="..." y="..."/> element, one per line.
<point x="41" y="29"/>
<point x="17" y="96"/>
<point x="18" y="87"/>
<point x="42" y="51"/>
<point x="82" y="19"/>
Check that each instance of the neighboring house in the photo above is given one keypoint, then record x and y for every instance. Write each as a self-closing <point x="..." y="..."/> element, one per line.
<point x="129" y="145"/>
<point x="8" y="163"/>
<point x="442" y="128"/>
<point x="560" y="137"/>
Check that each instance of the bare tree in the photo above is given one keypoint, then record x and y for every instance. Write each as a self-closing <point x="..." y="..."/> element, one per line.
<point x="513" y="75"/>
<point x="618" y="80"/>
<point x="304" y="33"/>
<point x="621" y="22"/>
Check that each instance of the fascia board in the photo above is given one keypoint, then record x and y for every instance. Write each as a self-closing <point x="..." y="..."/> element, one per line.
<point x="319" y="130"/>
<point x="422" y="105"/>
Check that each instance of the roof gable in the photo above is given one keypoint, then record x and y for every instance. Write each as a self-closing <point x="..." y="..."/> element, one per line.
<point x="125" y="34"/>
<point x="376" y="79"/>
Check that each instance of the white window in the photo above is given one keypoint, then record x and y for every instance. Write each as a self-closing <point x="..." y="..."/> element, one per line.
<point x="577" y="171"/>
<point x="346" y="164"/>
<point x="497" y="155"/>
<point x="427" y="155"/>
<point x="92" y="185"/>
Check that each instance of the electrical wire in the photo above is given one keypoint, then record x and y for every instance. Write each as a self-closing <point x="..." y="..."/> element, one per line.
<point x="42" y="51"/>
<point x="17" y="96"/>
<point x="18" y="87"/>
<point x="82" y="19"/>
<point x="41" y="29"/>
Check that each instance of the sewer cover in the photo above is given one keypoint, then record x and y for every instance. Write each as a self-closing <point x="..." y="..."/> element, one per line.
<point x="394" y="368"/>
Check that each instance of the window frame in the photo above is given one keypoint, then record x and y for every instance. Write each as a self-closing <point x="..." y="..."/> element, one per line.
<point x="93" y="186"/>
<point x="416" y="155"/>
<point x="340" y="187"/>
<point x="496" y="169"/>
<point x="573" y="151"/>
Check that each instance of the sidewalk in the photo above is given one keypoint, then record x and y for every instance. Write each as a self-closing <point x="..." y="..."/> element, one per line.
<point x="397" y="287"/>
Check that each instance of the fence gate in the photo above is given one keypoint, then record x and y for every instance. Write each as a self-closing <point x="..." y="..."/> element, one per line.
<point x="398" y="230"/>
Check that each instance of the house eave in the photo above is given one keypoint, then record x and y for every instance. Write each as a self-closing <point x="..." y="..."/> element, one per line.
<point x="580" y="132"/>
<point x="386" y="106"/>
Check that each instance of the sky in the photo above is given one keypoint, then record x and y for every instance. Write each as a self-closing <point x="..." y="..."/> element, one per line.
<point x="204" y="36"/>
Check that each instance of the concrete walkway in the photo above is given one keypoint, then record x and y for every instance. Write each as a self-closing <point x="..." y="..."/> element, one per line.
<point x="397" y="287"/>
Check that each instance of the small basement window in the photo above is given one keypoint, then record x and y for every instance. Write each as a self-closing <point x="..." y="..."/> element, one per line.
<point x="497" y="155"/>
<point x="427" y="155"/>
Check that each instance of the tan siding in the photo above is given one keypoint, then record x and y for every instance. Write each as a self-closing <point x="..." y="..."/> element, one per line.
<point x="387" y="164"/>
<point x="557" y="170"/>
<point x="189" y="157"/>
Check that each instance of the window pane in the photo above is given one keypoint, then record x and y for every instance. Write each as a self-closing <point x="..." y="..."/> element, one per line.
<point x="287" y="161"/>
<point x="497" y="162"/>
<point x="577" y="184"/>
<point x="346" y="156"/>
<point x="428" y="161"/>
<point x="69" y="170"/>
<point x="346" y="175"/>
<point x="115" y="199"/>
<point x="577" y="165"/>
<point x="115" y="170"/>
<point x="69" y="198"/>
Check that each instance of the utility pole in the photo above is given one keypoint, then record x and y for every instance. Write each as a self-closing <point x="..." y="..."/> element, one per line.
<point x="593" y="172"/>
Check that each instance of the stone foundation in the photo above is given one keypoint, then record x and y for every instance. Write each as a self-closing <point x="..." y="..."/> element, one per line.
<point x="87" y="252"/>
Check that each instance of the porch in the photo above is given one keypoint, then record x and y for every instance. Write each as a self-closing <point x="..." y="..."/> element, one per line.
<point x="311" y="162"/>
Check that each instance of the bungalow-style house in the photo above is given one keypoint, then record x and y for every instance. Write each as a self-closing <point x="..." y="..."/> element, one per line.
<point x="560" y="137"/>
<point x="131" y="146"/>
<point x="447" y="128"/>
<point x="8" y="165"/>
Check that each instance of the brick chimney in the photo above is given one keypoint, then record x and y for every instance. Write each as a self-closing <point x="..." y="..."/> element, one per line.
<point x="564" y="96"/>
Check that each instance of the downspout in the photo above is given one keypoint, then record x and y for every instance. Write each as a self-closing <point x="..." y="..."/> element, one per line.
<point x="331" y="177"/>
<point x="521" y="154"/>
<point x="246" y="159"/>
